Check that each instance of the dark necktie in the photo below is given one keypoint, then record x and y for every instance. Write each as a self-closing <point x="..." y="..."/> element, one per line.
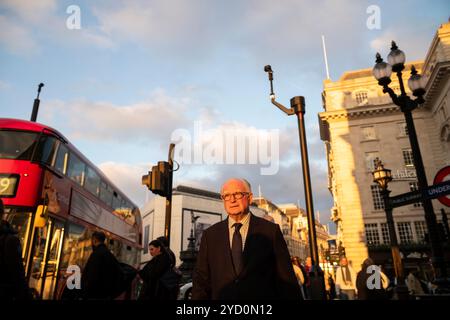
<point x="236" y="248"/>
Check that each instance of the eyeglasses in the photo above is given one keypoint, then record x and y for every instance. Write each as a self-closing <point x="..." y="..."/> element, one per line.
<point x="236" y="196"/>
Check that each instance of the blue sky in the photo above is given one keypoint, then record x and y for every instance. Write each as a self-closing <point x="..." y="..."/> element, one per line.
<point x="138" y="70"/>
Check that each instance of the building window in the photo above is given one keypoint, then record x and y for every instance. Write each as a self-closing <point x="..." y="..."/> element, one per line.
<point x="385" y="233"/>
<point x="408" y="157"/>
<point x="404" y="232"/>
<point x="421" y="230"/>
<point x="368" y="133"/>
<point x="361" y="97"/>
<point x="372" y="235"/>
<point x="403" y="129"/>
<point x="146" y="239"/>
<point x="378" y="202"/>
<point x="413" y="186"/>
<point x="370" y="160"/>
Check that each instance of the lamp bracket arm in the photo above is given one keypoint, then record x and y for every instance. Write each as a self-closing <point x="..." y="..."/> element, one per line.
<point x="392" y="94"/>
<point x="289" y="112"/>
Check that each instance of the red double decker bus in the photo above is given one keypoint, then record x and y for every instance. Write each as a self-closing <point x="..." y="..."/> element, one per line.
<point x="55" y="198"/>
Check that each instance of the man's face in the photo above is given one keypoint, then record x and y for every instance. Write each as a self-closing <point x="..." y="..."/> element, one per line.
<point x="344" y="262"/>
<point x="236" y="189"/>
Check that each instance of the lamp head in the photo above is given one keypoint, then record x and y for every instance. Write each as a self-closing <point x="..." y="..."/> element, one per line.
<point x="381" y="175"/>
<point x="417" y="83"/>
<point x="382" y="71"/>
<point x="396" y="58"/>
<point x="268" y="68"/>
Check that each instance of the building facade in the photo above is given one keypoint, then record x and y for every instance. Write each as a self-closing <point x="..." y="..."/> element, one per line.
<point x="294" y="226"/>
<point x="359" y="124"/>
<point x="299" y="229"/>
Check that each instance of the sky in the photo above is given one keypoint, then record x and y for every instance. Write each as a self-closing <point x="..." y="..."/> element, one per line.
<point x="124" y="79"/>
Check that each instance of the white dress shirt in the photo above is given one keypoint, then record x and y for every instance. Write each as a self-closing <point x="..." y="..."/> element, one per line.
<point x="243" y="231"/>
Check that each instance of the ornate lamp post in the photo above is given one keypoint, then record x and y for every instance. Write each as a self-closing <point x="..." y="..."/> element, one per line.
<point x="382" y="177"/>
<point x="382" y="72"/>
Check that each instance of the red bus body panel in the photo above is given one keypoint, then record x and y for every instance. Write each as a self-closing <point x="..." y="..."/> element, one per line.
<point x="29" y="184"/>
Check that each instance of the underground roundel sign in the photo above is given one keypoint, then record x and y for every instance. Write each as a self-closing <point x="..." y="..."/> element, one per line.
<point x="441" y="176"/>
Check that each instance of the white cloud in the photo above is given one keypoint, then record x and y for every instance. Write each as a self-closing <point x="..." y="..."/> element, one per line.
<point x="141" y="122"/>
<point x="128" y="178"/>
<point x="16" y="38"/>
<point x="414" y="45"/>
<point x="31" y="11"/>
<point x="156" y="25"/>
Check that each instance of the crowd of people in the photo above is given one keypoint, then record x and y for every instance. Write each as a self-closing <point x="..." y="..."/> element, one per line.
<point x="343" y="283"/>
<point x="242" y="257"/>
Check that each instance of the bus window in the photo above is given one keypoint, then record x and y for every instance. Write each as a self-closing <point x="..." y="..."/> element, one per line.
<point x="77" y="247"/>
<point x="45" y="152"/>
<point x="61" y="159"/>
<point x="92" y="183"/>
<point x="76" y="169"/>
<point x="117" y="202"/>
<point x="17" y="145"/>
<point x="106" y="193"/>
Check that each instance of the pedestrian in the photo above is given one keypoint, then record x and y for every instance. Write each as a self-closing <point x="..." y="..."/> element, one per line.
<point x="13" y="285"/>
<point x="244" y="256"/>
<point x="153" y="271"/>
<point x="413" y="283"/>
<point x="298" y="274"/>
<point x="331" y="287"/>
<point x="165" y="244"/>
<point x="102" y="277"/>
<point x="345" y="281"/>
<point x="367" y="290"/>
<point x="308" y="269"/>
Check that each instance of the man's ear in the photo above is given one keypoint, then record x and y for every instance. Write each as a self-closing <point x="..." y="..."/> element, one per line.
<point x="250" y="198"/>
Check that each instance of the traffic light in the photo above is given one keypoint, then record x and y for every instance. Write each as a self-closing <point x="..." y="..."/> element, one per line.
<point x="157" y="180"/>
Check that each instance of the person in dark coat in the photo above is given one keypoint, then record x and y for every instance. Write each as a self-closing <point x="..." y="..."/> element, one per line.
<point x="102" y="275"/>
<point x="244" y="256"/>
<point x="364" y="292"/>
<point x="13" y="285"/>
<point x="165" y="243"/>
<point x="153" y="271"/>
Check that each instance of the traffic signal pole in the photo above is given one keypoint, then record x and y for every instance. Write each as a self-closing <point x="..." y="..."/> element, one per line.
<point x="159" y="181"/>
<point x="168" y="220"/>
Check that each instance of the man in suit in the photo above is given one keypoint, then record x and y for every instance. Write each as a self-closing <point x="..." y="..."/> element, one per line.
<point x="244" y="256"/>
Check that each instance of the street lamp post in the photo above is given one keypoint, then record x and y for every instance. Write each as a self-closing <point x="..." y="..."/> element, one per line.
<point x="382" y="177"/>
<point x="298" y="108"/>
<point x="382" y="72"/>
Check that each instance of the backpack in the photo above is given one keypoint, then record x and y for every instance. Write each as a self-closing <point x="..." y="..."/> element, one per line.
<point x="170" y="280"/>
<point x="125" y="275"/>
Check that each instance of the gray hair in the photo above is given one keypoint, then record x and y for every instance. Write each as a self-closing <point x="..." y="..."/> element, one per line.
<point x="244" y="181"/>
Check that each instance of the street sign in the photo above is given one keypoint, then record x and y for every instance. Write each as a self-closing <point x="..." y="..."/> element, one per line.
<point x="443" y="175"/>
<point x="405" y="198"/>
<point x="439" y="190"/>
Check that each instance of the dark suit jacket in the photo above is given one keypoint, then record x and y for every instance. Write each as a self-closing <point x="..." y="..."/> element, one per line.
<point x="102" y="276"/>
<point x="151" y="274"/>
<point x="267" y="271"/>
